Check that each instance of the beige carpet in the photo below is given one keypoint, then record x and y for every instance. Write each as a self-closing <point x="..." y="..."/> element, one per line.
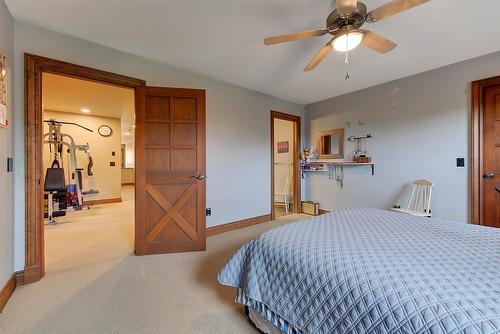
<point x="94" y="284"/>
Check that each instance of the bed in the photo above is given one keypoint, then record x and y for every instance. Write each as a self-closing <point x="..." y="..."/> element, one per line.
<point x="363" y="270"/>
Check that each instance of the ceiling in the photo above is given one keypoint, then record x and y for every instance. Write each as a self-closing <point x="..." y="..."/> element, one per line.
<point x="222" y="39"/>
<point x="70" y="95"/>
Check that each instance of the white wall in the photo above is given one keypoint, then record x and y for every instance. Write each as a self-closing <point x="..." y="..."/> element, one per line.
<point x="283" y="131"/>
<point x="106" y="179"/>
<point x="420" y="125"/>
<point x="238" y="130"/>
<point x="130" y="154"/>
<point x="6" y="191"/>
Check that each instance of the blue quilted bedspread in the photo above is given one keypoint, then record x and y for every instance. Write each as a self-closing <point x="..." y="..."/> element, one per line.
<point x="363" y="270"/>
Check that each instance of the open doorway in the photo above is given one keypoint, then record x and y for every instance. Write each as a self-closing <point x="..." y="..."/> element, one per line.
<point x="88" y="180"/>
<point x="285" y="164"/>
<point x="169" y="163"/>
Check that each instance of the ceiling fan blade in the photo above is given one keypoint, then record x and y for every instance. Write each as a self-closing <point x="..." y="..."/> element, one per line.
<point x="319" y="56"/>
<point x="346" y="7"/>
<point x="392" y="8"/>
<point x="378" y="43"/>
<point x="294" y="37"/>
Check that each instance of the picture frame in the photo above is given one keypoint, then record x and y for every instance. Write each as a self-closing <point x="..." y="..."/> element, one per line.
<point x="3" y="90"/>
<point x="283" y="146"/>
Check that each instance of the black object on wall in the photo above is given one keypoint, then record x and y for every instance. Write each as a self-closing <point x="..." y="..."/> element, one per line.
<point x="10" y="165"/>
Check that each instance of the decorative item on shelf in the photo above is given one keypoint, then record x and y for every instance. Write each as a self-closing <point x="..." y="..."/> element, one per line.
<point x="363" y="159"/>
<point x="305" y="155"/>
<point x="312" y="167"/>
<point x="3" y="90"/>
<point x="310" y="208"/>
<point x="360" y="154"/>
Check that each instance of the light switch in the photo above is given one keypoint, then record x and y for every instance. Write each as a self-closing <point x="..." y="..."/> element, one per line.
<point x="10" y="165"/>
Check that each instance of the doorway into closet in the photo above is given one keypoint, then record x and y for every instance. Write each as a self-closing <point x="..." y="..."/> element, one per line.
<point x="285" y="168"/>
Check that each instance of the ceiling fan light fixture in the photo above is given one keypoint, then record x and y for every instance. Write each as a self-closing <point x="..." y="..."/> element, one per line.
<point x="348" y="41"/>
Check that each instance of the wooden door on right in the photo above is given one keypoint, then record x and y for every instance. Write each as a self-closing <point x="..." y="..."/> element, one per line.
<point x="491" y="157"/>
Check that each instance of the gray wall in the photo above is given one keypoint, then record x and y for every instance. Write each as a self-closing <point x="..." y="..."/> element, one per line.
<point x="420" y="125"/>
<point x="6" y="193"/>
<point x="238" y="129"/>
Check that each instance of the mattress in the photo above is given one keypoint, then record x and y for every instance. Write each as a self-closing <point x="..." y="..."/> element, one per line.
<point x="262" y="323"/>
<point x="363" y="270"/>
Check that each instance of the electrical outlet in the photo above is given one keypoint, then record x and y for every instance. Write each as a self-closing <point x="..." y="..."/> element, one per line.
<point x="460" y="162"/>
<point x="208" y="212"/>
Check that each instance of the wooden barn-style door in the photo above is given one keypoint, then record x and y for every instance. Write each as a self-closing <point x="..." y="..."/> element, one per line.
<point x="170" y="167"/>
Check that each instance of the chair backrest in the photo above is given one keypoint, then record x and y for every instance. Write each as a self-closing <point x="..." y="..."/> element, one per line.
<point x="287" y="186"/>
<point x="420" y="196"/>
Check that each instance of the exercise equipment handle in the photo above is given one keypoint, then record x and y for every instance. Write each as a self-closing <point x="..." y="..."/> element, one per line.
<point x="69" y="123"/>
<point x="89" y="166"/>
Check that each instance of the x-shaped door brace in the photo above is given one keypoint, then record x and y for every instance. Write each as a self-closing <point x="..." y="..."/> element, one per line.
<point x="171" y="212"/>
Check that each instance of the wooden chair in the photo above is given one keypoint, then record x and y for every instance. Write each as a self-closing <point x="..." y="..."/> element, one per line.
<point x="419" y="201"/>
<point x="286" y="193"/>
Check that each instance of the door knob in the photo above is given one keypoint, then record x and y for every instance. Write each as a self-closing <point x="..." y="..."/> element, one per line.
<point x="199" y="177"/>
<point x="489" y="175"/>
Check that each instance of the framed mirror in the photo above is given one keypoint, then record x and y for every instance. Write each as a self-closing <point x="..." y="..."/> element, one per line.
<point x="330" y="144"/>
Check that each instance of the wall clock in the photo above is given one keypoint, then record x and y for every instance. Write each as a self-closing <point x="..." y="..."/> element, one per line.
<point x="105" y="130"/>
<point x="3" y="90"/>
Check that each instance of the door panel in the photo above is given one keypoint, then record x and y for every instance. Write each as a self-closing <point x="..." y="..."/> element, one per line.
<point x="172" y="200"/>
<point x="491" y="158"/>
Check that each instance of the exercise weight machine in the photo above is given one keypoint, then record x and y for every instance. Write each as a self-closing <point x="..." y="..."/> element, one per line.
<point x="62" y="197"/>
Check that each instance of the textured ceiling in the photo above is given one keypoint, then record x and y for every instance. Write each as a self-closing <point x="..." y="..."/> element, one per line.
<point x="70" y="95"/>
<point x="222" y="39"/>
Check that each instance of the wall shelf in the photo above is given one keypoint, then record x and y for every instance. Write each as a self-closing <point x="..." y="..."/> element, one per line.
<point x="322" y="166"/>
<point x="329" y="167"/>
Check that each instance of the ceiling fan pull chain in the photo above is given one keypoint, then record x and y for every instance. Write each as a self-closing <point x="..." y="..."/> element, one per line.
<point x="347" y="49"/>
<point x="347" y="77"/>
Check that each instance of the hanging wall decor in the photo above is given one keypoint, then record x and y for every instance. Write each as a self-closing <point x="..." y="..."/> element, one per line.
<point x="282" y="146"/>
<point x="3" y="90"/>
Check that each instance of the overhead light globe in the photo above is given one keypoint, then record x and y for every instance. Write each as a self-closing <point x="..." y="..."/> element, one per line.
<point x="348" y="41"/>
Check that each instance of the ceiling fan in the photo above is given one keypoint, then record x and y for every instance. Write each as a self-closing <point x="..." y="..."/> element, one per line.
<point x="345" y="23"/>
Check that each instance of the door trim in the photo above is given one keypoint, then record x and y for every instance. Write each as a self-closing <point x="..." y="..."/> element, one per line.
<point x="296" y="161"/>
<point x="478" y="89"/>
<point x="34" y="67"/>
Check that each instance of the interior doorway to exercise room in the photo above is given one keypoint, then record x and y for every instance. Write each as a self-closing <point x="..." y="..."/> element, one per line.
<point x="285" y="160"/>
<point x="88" y="169"/>
<point x="169" y="166"/>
